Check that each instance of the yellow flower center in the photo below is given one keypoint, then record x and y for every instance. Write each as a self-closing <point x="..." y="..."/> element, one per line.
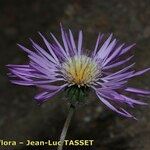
<point x="80" y="70"/>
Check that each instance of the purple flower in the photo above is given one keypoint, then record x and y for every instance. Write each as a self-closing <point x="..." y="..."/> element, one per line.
<point x="106" y="70"/>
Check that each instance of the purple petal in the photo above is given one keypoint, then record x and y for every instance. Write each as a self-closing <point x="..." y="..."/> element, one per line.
<point x="138" y="91"/>
<point x="117" y="64"/>
<point x="47" y="81"/>
<point x="109" y="49"/>
<point x="49" y="48"/>
<point x="71" y="51"/>
<point x="45" y="73"/>
<point x="119" y="73"/>
<point x="20" y="82"/>
<point x="97" y="43"/>
<point x="101" y="51"/>
<point x="46" y="95"/>
<point x="114" y="54"/>
<point x="52" y="87"/>
<point x="133" y="101"/>
<point x="72" y="42"/>
<point x="43" y="53"/>
<point x="121" y="111"/>
<point x="140" y="72"/>
<point x="21" y="75"/>
<point x="64" y="40"/>
<point x="80" y="38"/>
<point x="59" y="54"/>
<point x="127" y="49"/>
<point x="60" y="47"/>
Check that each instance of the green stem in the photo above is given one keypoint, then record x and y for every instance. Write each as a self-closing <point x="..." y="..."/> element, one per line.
<point x="65" y="128"/>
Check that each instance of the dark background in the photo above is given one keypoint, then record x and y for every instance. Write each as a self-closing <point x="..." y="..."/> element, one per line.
<point x="21" y="118"/>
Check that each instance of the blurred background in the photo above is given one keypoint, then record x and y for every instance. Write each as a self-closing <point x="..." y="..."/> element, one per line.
<point x="20" y="116"/>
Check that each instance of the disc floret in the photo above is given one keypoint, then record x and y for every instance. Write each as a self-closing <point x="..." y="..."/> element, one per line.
<point x="81" y="70"/>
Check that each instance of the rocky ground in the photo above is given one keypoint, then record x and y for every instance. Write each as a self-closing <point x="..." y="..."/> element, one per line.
<point x="21" y="118"/>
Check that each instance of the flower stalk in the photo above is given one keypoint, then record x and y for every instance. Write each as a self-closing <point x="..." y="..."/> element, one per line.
<point x="66" y="125"/>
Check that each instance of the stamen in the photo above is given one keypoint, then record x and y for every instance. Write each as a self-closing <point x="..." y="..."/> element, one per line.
<point x="81" y="70"/>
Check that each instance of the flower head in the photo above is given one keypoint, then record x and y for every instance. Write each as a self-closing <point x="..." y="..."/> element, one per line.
<point x="105" y="70"/>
